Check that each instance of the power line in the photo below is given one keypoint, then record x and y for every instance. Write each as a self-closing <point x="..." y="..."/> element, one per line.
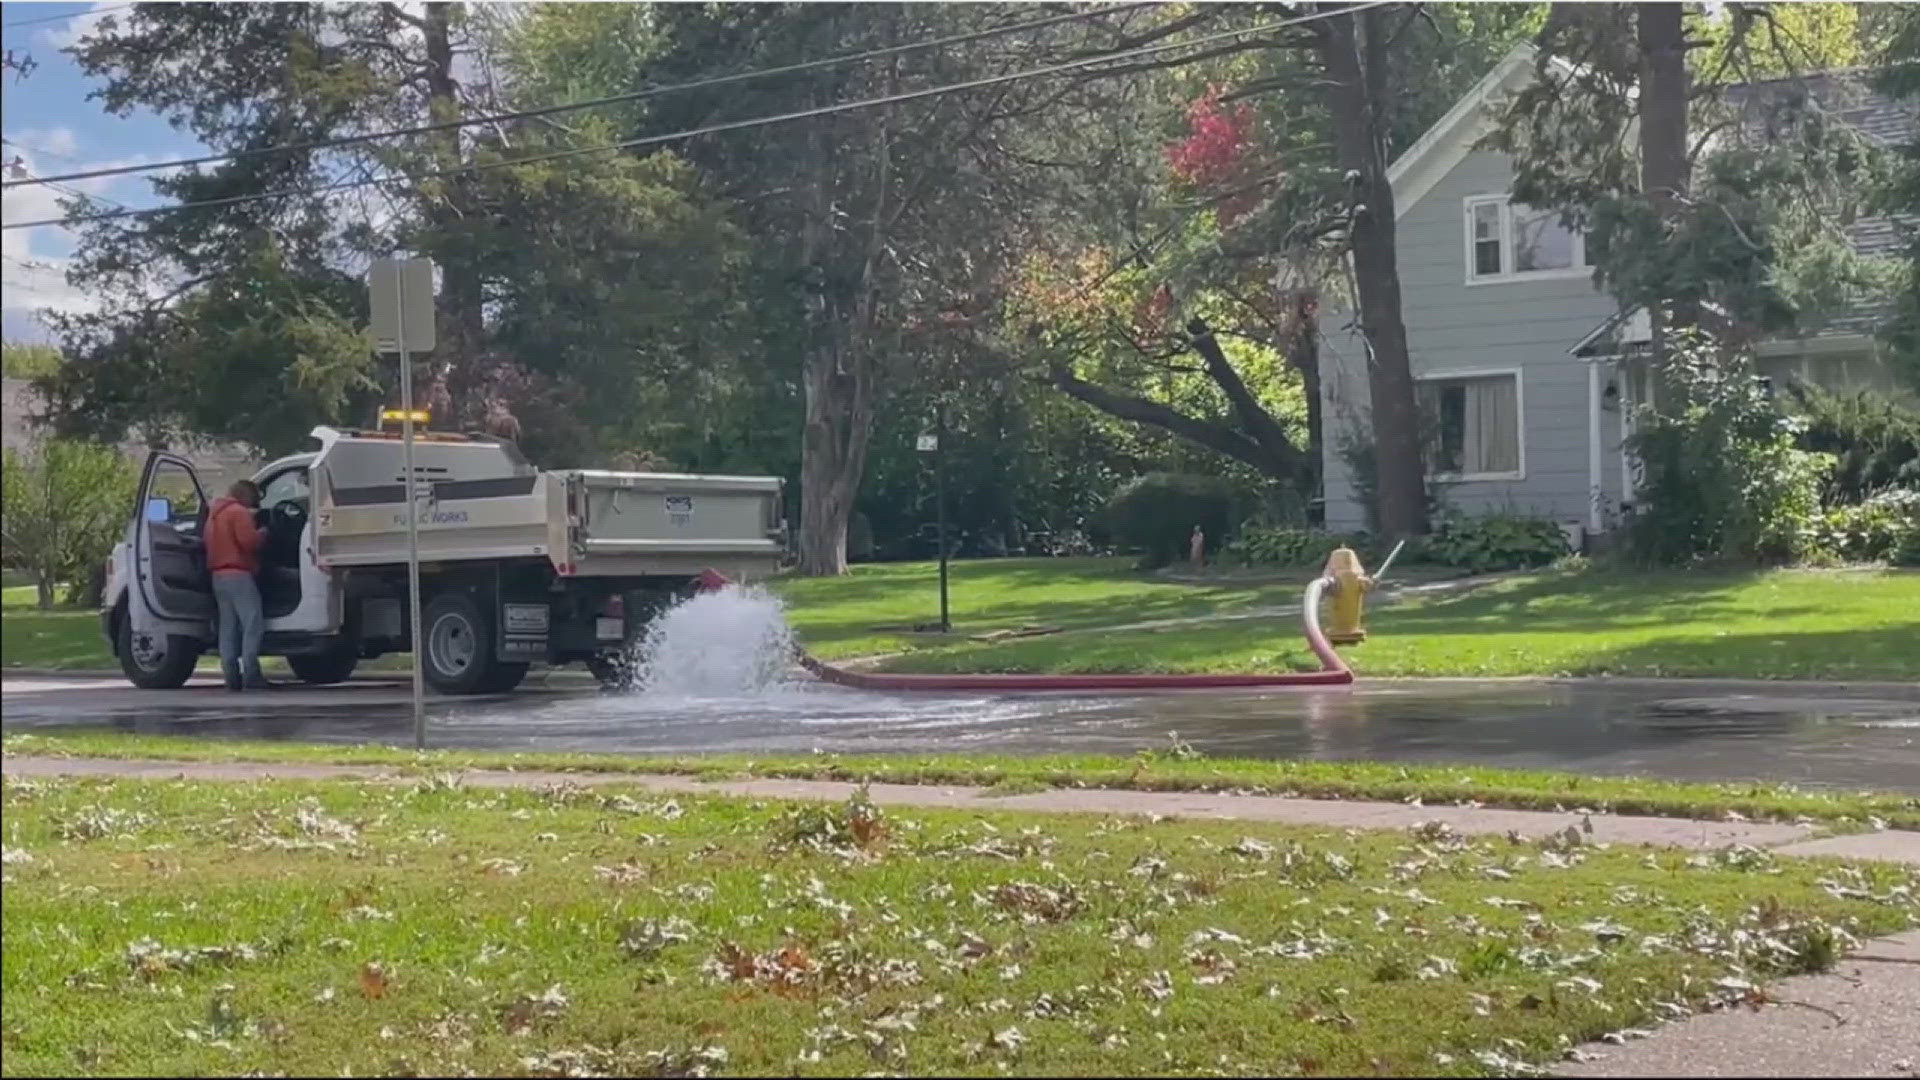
<point x="616" y="99"/>
<point x="59" y="18"/>
<point x="64" y="189"/>
<point x="711" y="129"/>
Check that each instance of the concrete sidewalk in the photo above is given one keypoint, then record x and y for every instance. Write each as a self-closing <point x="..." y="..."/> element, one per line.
<point x="1860" y="1019"/>
<point x="1863" y="1019"/>
<point x="1891" y="846"/>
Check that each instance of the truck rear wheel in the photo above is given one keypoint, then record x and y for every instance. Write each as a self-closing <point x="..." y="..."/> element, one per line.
<point x="458" y="656"/>
<point x="322" y="669"/>
<point x="155" y="661"/>
<point x="458" y="644"/>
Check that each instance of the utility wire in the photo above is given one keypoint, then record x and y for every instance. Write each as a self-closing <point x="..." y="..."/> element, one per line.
<point x="616" y="99"/>
<point x="64" y="189"/>
<point x="58" y="18"/>
<point x="734" y="125"/>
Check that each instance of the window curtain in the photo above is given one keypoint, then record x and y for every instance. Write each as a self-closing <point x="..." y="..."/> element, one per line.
<point x="1493" y="427"/>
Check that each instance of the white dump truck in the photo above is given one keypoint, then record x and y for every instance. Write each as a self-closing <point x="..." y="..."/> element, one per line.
<point x="518" y="565"/>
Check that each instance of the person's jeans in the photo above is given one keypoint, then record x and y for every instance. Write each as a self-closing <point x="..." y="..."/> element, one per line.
<point x="242" y="622"/>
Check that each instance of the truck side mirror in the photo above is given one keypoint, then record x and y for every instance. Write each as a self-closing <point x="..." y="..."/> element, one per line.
<point x="160" y="510"/>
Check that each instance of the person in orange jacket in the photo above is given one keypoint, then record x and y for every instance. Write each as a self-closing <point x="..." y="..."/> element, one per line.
<point x="234" y="541"/>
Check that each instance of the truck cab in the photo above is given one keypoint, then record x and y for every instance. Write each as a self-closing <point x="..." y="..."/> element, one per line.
<point x="517" y="565"/>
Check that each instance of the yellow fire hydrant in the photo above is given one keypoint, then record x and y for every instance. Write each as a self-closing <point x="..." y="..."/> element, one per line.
<point x="1350" y="586"/>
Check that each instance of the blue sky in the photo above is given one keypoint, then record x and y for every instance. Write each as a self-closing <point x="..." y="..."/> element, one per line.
<point x="51" y="125"/>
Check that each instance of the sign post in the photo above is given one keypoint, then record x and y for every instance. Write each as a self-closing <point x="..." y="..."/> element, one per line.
<point x="400" y="295"/>
<point x="930" y="444"/>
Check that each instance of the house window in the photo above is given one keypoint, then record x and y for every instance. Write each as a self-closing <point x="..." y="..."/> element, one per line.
<point x="1507" y="240"/>
<point x="1473" y="424"/>
<point x="1487" y="246"/>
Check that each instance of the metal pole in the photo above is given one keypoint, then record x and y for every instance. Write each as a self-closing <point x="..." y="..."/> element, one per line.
<point x="413" y="511"/>
<point x="940" y="496"/>
<point x="1392" y="555"/>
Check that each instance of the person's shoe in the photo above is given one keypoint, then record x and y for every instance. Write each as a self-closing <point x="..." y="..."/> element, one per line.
<point x="263" y="684"/>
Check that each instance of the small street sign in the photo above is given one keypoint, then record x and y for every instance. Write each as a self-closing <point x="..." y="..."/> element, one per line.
<point x="390" y="284"/>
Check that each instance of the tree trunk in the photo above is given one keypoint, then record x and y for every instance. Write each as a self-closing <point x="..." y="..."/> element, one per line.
<point x="833" y="453"/>
<point x="43" y="590"/>
<point x="1664" y="169"/>
<point x="838" y="379"/>
<point x="1303" y="352"/>
<point x="1355" y="55"/>
<point x="458" y="376"/>
<point x="86" y="593"/>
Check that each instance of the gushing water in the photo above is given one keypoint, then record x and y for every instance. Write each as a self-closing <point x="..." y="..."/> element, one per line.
<point x="725" y="643"/>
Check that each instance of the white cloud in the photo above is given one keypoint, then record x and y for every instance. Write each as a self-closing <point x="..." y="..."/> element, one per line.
<point x="59" y="143"/>
<point x="35" y="260"/>
<point x="34" y="278"/>
<point x="62" y="34"/>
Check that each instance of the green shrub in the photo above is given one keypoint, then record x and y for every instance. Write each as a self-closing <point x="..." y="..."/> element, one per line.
<point x="1155" y="514"/>
<point x="1907" y="551"/>
<point x="63" y="505"/>
<point x="1723" y="476"/>
<point x="1270" y="545"/>
<point x="1875" y="440"/>
<point x="1884" y="528"/>
<point x="1493" y="542"/>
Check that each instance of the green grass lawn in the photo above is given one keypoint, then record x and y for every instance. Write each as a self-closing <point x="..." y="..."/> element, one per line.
<point x="863" y="613"/>
<point x="170" y="928"/>
<point x="1816" y="624"/>
<point x="61" y="638"/>
<point x="69" y="639"/>
<point x="1765" y="624"/>
<point x="858" y="615"/>
<point x="1174" y="769"/>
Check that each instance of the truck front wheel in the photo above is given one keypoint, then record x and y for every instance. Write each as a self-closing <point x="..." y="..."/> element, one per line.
<point x="155" y="661"/>
<point x="458" y="651"/>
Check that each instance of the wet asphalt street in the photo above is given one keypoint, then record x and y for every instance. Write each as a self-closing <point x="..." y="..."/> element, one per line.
<point x="1847" y="737"/>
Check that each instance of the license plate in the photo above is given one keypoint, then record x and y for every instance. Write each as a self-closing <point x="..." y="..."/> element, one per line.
<point x="526" y="619"/>
<point x="606" y="629"/>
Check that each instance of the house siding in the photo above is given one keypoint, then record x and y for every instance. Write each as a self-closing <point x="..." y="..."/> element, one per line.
<point x="1526" y="326"/>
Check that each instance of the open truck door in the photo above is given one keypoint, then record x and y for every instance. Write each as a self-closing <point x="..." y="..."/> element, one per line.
<point x="170" y="605"/>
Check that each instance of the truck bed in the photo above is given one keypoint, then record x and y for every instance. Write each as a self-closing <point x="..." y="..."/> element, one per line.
<point x="587" y="522"/>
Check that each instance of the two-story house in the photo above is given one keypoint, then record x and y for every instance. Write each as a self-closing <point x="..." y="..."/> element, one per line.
<point x="1523" y="367"/>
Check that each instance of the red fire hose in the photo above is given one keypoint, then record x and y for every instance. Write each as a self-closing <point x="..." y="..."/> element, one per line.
<point x="1334" y="672"/>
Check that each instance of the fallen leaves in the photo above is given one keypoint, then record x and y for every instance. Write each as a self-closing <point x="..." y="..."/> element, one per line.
<point x="520" y="1016"/>
<point x="1037" y="903"/>
<point x="373" y="980"/>
<point x="644" y="939"/>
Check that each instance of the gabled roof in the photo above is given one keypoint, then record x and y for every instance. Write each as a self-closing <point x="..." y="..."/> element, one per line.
<point x="1452" y="138"/>
<point x="1846" y="95"/>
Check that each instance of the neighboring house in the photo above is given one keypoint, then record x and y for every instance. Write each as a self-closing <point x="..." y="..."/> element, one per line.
<point x="217" y="466"/>
<point x="1525" y="371"/>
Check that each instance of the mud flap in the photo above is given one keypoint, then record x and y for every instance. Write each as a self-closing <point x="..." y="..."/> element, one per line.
<point x="523" y="630"/>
